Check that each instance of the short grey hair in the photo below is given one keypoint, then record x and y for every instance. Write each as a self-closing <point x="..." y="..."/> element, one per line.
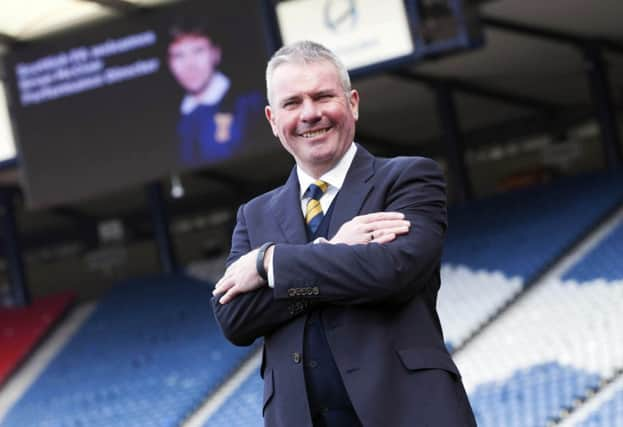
<point x="305" y="52"/>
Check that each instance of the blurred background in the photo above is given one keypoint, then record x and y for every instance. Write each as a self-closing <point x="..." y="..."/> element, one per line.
<point x="112" y="236"/>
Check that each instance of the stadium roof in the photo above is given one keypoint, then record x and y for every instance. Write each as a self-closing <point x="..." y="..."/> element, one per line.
<point x="25" y="20"/>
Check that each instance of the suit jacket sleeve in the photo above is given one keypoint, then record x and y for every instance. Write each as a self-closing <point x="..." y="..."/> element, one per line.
<point x="374" y="273"/>
<point x="359" y="274"/>
<point x="255" y="313"/>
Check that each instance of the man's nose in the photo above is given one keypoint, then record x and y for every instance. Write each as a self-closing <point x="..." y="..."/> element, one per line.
<point x="310" y="111"/>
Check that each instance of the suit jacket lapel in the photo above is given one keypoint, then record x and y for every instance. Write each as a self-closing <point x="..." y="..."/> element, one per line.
<point x="287" y="208"/>
<point x="356" y="187"/>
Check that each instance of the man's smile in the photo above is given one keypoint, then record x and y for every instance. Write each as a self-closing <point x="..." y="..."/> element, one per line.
<point x="315" y="133"/>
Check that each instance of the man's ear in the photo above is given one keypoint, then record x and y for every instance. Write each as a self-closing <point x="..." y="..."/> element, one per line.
<point x="354" y="103"/>
<point x="271" y="119"/>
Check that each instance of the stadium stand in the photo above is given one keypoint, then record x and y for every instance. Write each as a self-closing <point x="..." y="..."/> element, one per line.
<point x="604" y="263"/>
<point x="609" y="414"/>
<point x="243" y="408"/>
<point x="555" y="347"/>
<point x="498" y="246"/>
<point x="21" y="329"/>
<point x="148" y="356"/>
<point x="151" y="353"/>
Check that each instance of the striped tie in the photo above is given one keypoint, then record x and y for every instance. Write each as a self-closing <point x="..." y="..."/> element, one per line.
<point x="313" y="212"/>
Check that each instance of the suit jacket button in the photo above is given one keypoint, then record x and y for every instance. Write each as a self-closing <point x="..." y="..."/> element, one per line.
<point x="296" y="357"/>
<point x="315" y="290"/>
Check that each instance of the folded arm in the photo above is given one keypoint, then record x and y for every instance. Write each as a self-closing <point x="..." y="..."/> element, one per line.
<point x="256" y="312"/>
<point x="372" y="273"/>
<point x="390" y="271"/>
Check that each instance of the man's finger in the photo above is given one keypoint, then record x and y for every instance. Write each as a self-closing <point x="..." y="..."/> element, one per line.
<point x="380" y="216"/>
<point x="383" y="216"/>
<point x="386" y="224"/>
<point x="385" y="238"/>
<point x="223" y="285"/>
<point x="229" y="295"/>
<point x="392" y="230"/>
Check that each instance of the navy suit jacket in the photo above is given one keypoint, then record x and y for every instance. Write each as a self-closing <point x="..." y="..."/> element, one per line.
<point x="378" y="301"/>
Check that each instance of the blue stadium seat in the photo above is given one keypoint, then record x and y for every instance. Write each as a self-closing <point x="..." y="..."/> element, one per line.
<point x="609" y="414"/>
<point x="497" y="245"/>
<point x="530" y="397"/>
<point x="603" y="262"/>
<point x="149" y="355"/>
<point x="243" y="408"/>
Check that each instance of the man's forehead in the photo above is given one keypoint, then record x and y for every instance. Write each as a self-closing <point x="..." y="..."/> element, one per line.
<point x="305" y="66"/>
<point x="305" y="77"/>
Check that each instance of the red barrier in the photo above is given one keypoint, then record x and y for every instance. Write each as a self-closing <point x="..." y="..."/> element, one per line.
<point x="21" y="329"/>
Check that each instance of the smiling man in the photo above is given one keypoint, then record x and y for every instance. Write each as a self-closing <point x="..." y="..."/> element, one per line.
<point x="338" y="269"/>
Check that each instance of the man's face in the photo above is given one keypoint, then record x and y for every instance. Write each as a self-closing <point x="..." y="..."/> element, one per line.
<point x="192" y="60"/>
<point x="311" y="115"/>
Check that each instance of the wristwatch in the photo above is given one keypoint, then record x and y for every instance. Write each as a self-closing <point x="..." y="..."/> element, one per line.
<point x="259" y="261"/>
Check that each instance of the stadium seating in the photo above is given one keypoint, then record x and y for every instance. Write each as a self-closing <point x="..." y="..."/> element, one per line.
<point x="243" y="408"/>
<point x="530" y="396"/>
<point x="148" y="356"/>
<point x="497" y="246"/>
<point x="604" y="263"/>
<point x="554" y="347"/>
<point x="609" y="414"/>
<point x="151" y="352"/>
<point x="22" y="328"/>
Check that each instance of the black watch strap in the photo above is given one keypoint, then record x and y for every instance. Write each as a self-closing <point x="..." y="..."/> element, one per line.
<point x="259" y="261"/>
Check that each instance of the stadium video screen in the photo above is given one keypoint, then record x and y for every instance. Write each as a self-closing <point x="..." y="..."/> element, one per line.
<point x="130" y="100"/>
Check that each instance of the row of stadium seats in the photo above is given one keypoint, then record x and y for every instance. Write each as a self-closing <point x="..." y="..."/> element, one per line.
<point x="497" y="246"/>
<point x="601" y="264"/>
<point x="553" y="349"/>
<point x="243" y="408"/>
<point x="609" y="414"/>
<point x="149" y="355"/>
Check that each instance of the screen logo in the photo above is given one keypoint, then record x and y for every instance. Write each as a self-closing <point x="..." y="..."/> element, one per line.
<point x="340" y="15"/>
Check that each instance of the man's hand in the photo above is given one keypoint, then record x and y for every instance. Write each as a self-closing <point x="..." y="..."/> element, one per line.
<point x="240" y="277"/>
<point x="378" y="227"/>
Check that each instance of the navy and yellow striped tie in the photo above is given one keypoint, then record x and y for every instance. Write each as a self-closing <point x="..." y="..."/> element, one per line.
<point x="313" y="211"/>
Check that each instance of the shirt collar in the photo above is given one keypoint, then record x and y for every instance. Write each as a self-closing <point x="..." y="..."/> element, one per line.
<point x="334" y="177"/>
<point x="211" y="95"/>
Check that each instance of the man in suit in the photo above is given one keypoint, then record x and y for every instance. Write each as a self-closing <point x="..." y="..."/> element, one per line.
<point x="338" y="269"/>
